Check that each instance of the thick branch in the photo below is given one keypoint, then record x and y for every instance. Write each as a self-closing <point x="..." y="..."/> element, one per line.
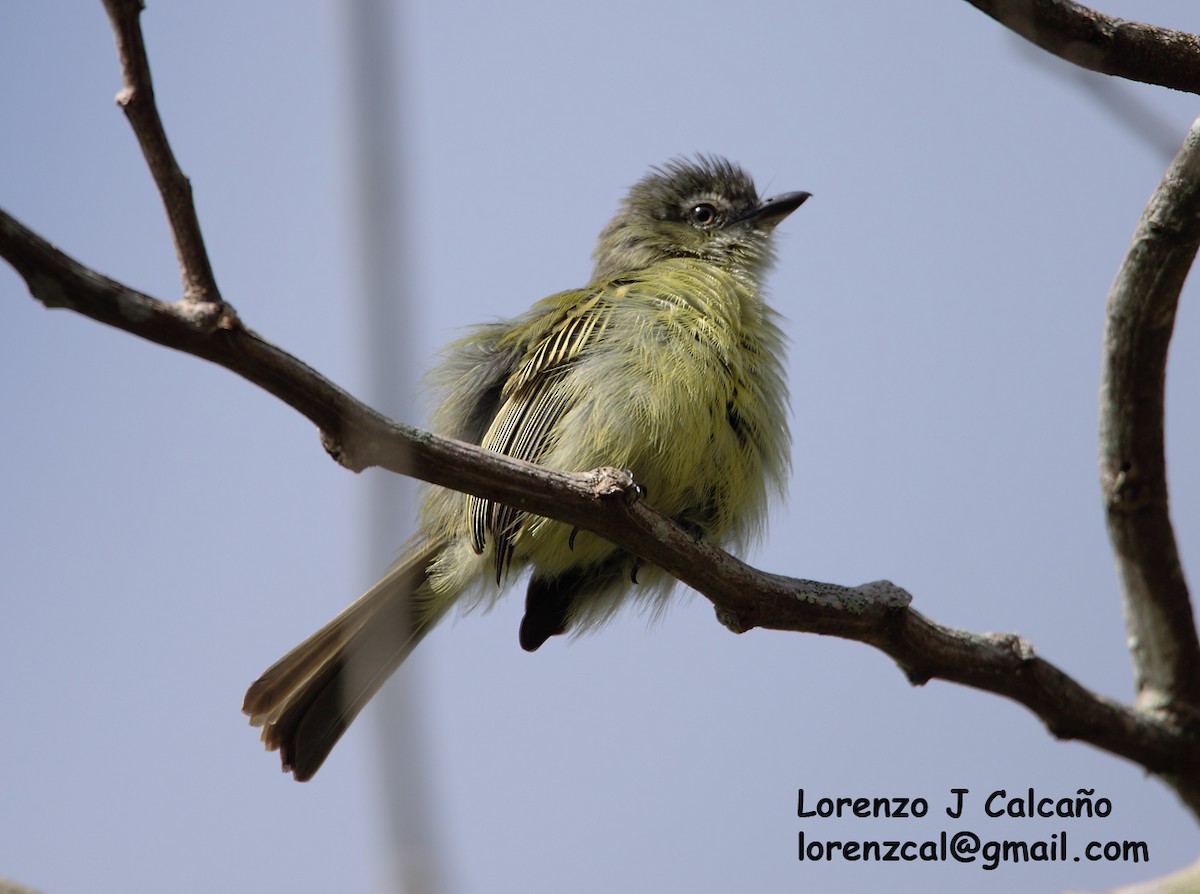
<point x="137" y="99"/>
<point x="602" y="501"/>
<point x="1103" y="43"/>
<point x="1133" y="473"/>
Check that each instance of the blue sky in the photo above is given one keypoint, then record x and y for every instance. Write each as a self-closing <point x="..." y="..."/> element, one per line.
<point x="169" y="530"/>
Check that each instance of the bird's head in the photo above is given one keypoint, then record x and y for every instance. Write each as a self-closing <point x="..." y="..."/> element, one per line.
<point x="705" y="208"/>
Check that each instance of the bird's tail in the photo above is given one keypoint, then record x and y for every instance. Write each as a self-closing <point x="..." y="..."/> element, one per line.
<point x="307" y="699"/>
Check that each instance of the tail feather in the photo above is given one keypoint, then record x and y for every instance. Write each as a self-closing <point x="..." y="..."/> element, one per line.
<point x="307" y="699"/>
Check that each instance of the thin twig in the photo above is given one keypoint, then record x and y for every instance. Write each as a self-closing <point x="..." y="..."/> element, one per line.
<point x="137" y="99"/>
<point x="1133" y="472"/>
<point x="1102" y="42"/>
<point x="601" y="501"/>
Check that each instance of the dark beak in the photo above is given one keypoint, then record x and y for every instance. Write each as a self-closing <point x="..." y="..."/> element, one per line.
<point x="771" y="211"/>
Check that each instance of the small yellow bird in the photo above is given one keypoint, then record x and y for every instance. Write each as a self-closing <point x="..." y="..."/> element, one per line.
<point x="668" y="363"/>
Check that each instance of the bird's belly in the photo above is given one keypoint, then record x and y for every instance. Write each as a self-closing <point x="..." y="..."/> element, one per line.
<point x="676" y="426"/>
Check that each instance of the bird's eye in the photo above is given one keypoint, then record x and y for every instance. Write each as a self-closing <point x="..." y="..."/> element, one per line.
<point x="702" y="215"/>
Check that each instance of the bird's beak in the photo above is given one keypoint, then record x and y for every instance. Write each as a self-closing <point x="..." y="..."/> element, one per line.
<point x="771" y="211"/>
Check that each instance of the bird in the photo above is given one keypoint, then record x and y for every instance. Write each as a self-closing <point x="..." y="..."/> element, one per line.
<point x="668" y="363"/>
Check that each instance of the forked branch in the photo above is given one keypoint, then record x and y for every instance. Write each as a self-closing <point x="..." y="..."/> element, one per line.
<point x="603" y="501"/>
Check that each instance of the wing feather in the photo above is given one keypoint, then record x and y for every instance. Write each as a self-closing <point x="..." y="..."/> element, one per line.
<point x="535" y="398"/>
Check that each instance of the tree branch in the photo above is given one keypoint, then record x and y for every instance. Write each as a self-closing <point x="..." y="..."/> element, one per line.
<point x="1133" y="473"/>
<point x="137" y="99"/>
<point x="604" y="501"/>
<point x="1101" y="42"/>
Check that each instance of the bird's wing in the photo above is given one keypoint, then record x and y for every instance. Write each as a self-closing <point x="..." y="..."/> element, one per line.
<point x="534" y="398"/>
